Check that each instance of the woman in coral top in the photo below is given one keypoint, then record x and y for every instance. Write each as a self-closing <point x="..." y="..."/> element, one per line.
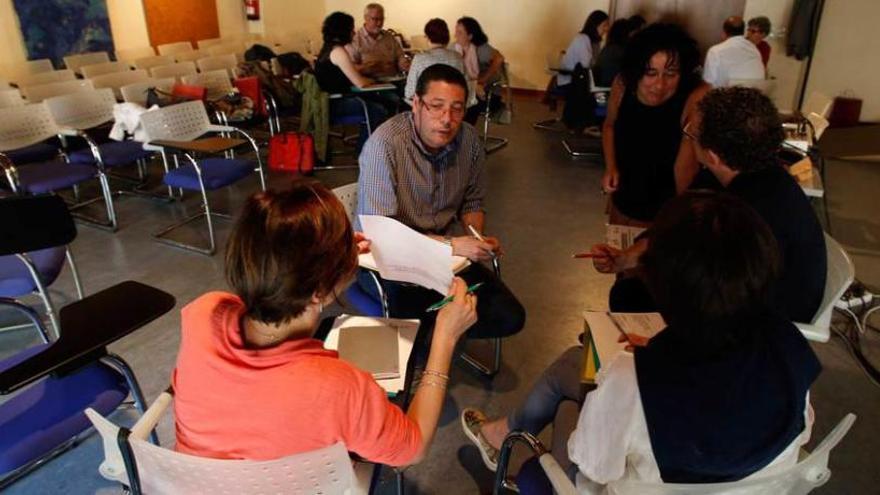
<point x="251" y="381"/>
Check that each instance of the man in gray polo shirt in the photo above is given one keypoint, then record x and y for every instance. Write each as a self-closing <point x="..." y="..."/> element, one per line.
<point x="426" y="169"/>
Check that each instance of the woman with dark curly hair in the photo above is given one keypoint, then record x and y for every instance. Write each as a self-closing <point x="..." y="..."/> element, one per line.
<point x="647" y="160"/>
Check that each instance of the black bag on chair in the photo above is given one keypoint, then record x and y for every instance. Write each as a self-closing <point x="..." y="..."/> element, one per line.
<point x="580" y="105"/>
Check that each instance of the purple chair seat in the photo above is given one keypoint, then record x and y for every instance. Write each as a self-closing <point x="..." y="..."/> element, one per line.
<point x="16" y="280"/>
<point x="363" y="302"/>
<point x="47" y="414"/>
<point x="114" y="154"/>
<point x="40" y="152"/>
<point x="216" y="173"/>
<point x="38" y="178"/>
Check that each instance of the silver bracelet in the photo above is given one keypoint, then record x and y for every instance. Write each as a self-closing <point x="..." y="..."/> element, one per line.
<point x="435" y="373"/>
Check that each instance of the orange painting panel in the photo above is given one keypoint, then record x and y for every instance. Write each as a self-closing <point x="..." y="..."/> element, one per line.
<point x="169" y="21"/>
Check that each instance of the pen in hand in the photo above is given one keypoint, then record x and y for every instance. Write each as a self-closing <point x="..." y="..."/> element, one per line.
<point x="448" y="299"/>
<point x="480" y="238"/>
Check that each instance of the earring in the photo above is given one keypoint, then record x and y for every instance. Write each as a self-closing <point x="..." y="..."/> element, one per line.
<point x="320" y="307"/>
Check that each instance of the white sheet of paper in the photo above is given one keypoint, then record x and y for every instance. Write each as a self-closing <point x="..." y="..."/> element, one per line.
<point x="605" y="334"/>
<point x="366" y="260"/>
<point x="621" y="236"/>
<point x="406" y="335"/>
<point x="404" y="255"/>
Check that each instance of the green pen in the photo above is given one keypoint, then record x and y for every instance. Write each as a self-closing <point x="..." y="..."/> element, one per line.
<point x="448" y="299"/>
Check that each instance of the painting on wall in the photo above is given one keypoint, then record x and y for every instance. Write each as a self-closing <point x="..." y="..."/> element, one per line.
<point x="55" y="28"/>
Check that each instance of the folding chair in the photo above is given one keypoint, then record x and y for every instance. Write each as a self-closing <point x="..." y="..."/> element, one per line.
<point x="92" y="70"/>
<point x="810" y="472"/>
<point x="129" y="55"/>
<point x="176" y="128"/>
<point x="31" y="124"/>
<point x="137" y="92"/>
<point x="227" y="62"/>
<point x="77" y="61"/>
<point x="151" y="61"/>
<point x="117" y="80"/>
<point x="176" y="70"/>
<point x="216" y="82"/>
<point x="146" y="468"/>
<point x="54" y="383"/>
<point x="174" y="48"/>
<point x="47" y="77"/>
<point x="39" y="92"/>
<point x="31" y="259"/>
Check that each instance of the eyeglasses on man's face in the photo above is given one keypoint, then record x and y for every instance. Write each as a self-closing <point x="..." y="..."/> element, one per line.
<point x="436" y="109"/>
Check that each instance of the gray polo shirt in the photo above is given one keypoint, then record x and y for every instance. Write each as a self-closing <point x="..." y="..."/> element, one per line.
<point x="426" y="191"/>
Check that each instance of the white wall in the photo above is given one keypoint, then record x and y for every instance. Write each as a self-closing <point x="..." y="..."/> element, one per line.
<point x="128" y="23"/>
<point x="847" y="56"/>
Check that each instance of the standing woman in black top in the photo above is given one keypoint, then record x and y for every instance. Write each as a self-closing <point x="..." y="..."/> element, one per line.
<point x="336" y="73"/>
<point x="647" y="159"/>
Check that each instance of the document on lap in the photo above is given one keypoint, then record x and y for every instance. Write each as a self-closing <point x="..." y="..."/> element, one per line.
<point x="401" y="254"/>
<point x="621" y="236"/>
<point x="406" y="331"/>
<point x="602" y="332"/>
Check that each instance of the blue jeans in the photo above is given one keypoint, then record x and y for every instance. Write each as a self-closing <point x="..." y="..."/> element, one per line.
<point x="559" y="382"/>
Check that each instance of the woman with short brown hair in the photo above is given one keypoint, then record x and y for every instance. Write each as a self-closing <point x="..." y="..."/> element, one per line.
<point x="251" y="380"/>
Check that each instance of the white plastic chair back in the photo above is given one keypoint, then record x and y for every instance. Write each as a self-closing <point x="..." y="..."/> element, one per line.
<point x="348" y="196"/>
<point x="840" y="275"/>
<point x="227" y="62"/>
<point x="174" y="48"/>
<point x="174" y="70"/>
<point x="131" y="54"/>
<point x="10" y="98"/>
<point x="328" y="470"/>
<point x="817" y="103"/>
<point x="819" y="124"/>
<point x="25" y="125"/>
<point x="180" y="122"/>
<point x="765" y="86"/>
<point x="148" y="63"/>
<point x="46" y="77"/>
<point x="190" y="56"/>
<point x="4" y="84"/>
<point x="83" y="110"/>
<point x="808" y="474"/>
<point x="39" y="92"/>
<point x="216" y="82"/>
<point x="117" y="80"/>
<point x="37" y="66"/>
<point x="137" y="92"/>
<point x="202" y="44"/>
<point x="92" y="70"/>
<point x="74" y="62"/>
<point x="224" y="48"/>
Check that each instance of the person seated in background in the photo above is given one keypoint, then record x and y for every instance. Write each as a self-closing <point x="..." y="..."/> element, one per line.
<point x="438" y="36"/>
<point x="647" y="158"/>
<point x="720" y="394"/>
<point x="757" y="31"/>
<point x="483" y="65"/>
<point x="336" y="73"/>
<point x="427" y="170"/>
<point x="374" y="51"/>
<point x="734" y="58"/>
<point x="608" y="64"/>
<point x="737" y="134"/>
<point x="290" y="253"/>
<point x="584" y="47"/>
<point x="637" y="23"/>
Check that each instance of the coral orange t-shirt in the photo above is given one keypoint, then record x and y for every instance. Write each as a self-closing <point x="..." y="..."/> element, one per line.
<point x="232" y="402"/>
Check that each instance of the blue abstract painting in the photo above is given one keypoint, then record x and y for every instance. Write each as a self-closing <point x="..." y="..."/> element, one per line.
<point x="55" y="28"/>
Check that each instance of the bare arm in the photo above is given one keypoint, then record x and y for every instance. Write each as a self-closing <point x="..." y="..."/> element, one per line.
<point x="686" y="165"/>
<point x="340" y="58"/>
<point x="452" y="321"/>
<point x="610" y="179"/>
<point x="494" y="66"/>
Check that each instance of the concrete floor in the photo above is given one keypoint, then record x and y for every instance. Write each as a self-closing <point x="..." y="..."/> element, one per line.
<point x="543" y="206"/>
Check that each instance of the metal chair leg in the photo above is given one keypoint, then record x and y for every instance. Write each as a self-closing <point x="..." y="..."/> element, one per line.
<point x="74" y="273"/>
<point x="134" y="387"/>
<point x="43" y="293"/>
<point x="488" y="371"/>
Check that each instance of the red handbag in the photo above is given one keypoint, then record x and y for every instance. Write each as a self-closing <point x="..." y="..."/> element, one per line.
<point x="292" y="152"/>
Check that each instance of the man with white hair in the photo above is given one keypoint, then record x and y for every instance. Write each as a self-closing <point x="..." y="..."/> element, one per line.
<point x="374" y="51"/>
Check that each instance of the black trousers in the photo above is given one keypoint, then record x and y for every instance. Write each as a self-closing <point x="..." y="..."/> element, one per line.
<point x="499" y="313"/>
<point x="630" y="295"/>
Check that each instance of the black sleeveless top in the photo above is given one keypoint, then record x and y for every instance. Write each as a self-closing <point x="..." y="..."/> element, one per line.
<point x="330" y="77"/>
<point x="646" y="142"/>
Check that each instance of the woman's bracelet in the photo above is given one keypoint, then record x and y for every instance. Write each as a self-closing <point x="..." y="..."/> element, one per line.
<point x="435" y="373"/>
<point x="431" y="383"/>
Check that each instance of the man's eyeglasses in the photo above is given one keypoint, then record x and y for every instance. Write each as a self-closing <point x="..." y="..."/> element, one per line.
<point x="435" y="110"/>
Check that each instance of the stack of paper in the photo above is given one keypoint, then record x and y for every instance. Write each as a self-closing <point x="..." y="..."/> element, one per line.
<point x="602" y="332"/>
<point x="375" y="349"/>
<point x="404" y="255"/>
<point x="621" y="236"/>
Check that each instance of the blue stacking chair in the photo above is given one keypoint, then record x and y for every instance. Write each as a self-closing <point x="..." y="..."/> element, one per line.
<point x="27" y="125"/>
<point x="31" y="259"/>
<point x="176" y="129"/>
<point x="77" y="115"/>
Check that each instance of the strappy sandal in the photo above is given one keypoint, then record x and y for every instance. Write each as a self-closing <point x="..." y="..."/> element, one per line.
<point x="472" y="421"/>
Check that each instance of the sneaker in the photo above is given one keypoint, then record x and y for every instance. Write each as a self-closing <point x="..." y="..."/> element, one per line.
<point x="472" y="421"/>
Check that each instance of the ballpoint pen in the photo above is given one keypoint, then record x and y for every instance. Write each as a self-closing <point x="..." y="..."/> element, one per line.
<point x="448" y="299"/>
<point x="480" y="238"/>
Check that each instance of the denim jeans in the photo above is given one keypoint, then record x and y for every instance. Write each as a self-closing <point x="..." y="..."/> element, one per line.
<point x="559" y="382"/>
